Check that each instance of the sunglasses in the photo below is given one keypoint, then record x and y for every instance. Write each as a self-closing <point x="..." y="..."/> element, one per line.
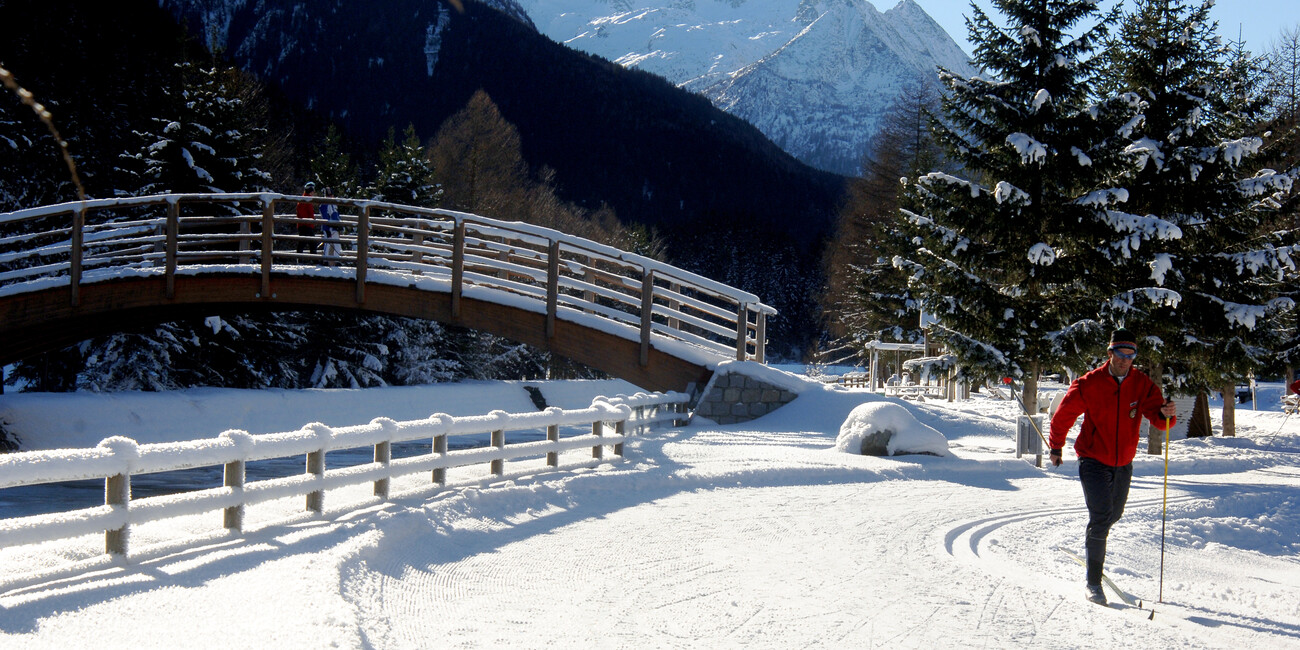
<point x="1124" y="353"/>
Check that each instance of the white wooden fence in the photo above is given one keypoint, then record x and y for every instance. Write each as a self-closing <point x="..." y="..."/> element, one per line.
<point x="116" y="460"/>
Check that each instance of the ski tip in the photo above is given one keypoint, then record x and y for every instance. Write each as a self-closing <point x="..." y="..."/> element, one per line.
<point x="1152" y="617"/>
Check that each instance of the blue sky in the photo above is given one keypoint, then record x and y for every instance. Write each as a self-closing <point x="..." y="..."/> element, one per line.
<point x="1260" y="21"/>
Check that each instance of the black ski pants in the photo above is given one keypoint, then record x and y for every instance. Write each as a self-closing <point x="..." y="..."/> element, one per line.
<point x="1105" y="490"/>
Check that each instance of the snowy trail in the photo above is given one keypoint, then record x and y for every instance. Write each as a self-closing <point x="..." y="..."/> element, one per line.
<point x="755" y="536"/>
<point x="890" y="563"/>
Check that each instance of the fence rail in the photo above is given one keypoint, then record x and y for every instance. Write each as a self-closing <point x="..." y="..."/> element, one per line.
<point x="75" y="243"/>
<point x="116" y="460"/>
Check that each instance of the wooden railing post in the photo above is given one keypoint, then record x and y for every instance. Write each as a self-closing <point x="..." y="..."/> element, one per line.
<point x="498" y="441"/>
<point x="553" y="435"/>
<point x="233" y="477"/>
<point x="552" y="287"/>
<point x="589" y="296"/>
<point x="457" y="267"/>
<point x="760" y="342"/>
<point x="440" y="448"/>
<point x="245" y="229"/>
<point x="647" y="313"/>
<point x="76" y="244"/>
<point x="598" y="429"/>
<point x="417" y="255"/>
<point x="268" y="244"/>
<point x="363" y="246"/>
<point x="742" y="332"/>
<point x="173" y="245"/>
<point x="316" y="467"/>
<point x="117" y="492"/>
<point x="675" y="306"/>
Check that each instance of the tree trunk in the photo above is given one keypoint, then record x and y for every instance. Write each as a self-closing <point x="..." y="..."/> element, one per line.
<point x="1230" y="410"/>
<point x="1030" y="394"/>
<point x="1199" y="424"/>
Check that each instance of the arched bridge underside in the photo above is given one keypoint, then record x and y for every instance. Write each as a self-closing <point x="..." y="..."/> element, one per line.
<point x="77" y="270"/>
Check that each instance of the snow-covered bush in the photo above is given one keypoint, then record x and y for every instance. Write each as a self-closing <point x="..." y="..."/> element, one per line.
<point x="887" y="429"/>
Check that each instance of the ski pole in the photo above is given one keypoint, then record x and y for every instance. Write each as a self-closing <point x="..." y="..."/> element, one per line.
<point x="1023" y="409"/>
<point x="1164" y="506"/>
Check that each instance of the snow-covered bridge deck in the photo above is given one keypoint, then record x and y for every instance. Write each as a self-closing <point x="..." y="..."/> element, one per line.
<point x="74" y="270"/>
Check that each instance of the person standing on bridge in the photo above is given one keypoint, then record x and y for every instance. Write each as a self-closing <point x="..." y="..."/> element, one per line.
<point x="330" y="214"/>
<point x="1112" y="399"/>
<point x="306" y="214"/>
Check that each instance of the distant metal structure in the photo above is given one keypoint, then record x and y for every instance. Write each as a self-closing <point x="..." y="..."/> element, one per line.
<point x="74" y="270"/>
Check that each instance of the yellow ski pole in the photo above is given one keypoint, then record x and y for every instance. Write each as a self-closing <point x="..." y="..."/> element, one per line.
<point x="1164" y="506"/>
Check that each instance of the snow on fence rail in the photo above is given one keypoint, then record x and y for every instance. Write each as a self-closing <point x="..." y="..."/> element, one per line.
<point x="86" y="241"/>
<point x="117" y="459"/>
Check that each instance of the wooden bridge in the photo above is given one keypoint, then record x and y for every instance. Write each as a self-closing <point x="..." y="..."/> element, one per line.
<point x="75" y="270"/>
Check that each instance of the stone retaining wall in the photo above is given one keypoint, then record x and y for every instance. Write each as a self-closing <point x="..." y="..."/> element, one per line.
<point x="733" y="397"/>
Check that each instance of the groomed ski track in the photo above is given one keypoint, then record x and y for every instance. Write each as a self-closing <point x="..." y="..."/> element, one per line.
<point x="753" y="536"/>
<point x="886" y="563"/>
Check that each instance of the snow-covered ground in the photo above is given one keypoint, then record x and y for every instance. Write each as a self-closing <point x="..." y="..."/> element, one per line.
<point x="754" y="535"/>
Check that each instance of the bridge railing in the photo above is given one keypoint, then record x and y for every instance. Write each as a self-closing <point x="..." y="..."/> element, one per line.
<point x="75" y="243"/>
<point x="117" y="460"/>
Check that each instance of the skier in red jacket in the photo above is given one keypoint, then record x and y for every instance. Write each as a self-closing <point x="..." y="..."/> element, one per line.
<point x="1112" y="400"/>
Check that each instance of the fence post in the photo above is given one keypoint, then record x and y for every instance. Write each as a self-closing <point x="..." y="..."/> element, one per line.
<point x="620" y="428"/>
<point x="760" y="341"/>
<point x="680" y="408"/>
<point x="742" y="332"/>
<point x="117" y="492"/>
<point x="363" y="246"/>
<point x="498" y="441"/>
<point x="597" y="429"/>
<point x="173" y="244"/>
<point x="316" y="467"/>
<point x="552" y="287"/>
<point x="647" y="311"/>
<point x="440" y="447"/>
<point x="233" y="478"/>
<point x="268" y="244"/>
<point x="457" y="267"/>
<point x="553" y="435"/>
<point x="75" y="242"/>
<point x="383" y="455"/>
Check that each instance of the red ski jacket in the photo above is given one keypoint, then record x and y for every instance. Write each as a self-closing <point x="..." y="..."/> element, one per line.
<point x="1111" y="414"/>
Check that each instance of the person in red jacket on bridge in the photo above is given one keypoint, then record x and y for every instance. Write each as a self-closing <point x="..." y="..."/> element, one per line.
<point x="1112" y="399"/>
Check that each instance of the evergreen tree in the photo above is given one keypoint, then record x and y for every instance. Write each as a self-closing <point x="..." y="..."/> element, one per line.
<point x="405" y="173"/>
<point x="205" y="144"/>
<point x="1012" y="257"/>
<point x="866" y="297"/>
<point x="1209" y="307"/>
<point x="332" y="167"/>
<point x="1282" y="152"/>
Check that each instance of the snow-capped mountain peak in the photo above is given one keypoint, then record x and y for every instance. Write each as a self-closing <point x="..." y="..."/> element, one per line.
<point x="814" y="77"/>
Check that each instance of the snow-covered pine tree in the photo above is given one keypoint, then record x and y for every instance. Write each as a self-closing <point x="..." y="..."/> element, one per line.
<point x="208" y="141"/>
<point x="405" y="174"/>
<point x="204" y="144"/>
<point x="333" y="167"/>
<point x="1282" y="152"/>
<point x="1012" y="254"/>
<point x="1210" y="307"/>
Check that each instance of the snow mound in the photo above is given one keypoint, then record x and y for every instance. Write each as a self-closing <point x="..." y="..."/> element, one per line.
<point x="888" y="429"/>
